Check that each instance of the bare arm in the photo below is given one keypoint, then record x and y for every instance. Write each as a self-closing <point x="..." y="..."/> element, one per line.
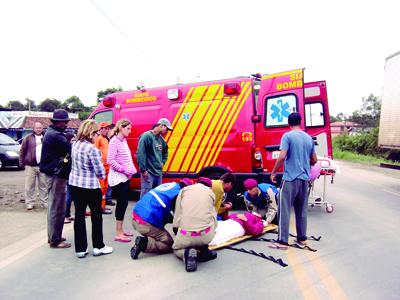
<point x="313" y="159"/>
<point x="279" y="162"/>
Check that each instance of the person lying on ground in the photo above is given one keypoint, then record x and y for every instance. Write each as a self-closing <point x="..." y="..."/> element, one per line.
<point x="150" y="215"/>
<point x="238" y="225"/>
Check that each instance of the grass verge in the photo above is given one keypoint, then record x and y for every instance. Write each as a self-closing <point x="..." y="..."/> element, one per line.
<point x="360" y="158"/>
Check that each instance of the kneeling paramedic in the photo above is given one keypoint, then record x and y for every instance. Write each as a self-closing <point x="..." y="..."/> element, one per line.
<point x="261" y="198"/>
<point x="195" y="221"/>
<point x="150" y="215"/>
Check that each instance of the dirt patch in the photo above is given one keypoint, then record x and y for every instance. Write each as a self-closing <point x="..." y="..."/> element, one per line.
<point x="15" y="221"/>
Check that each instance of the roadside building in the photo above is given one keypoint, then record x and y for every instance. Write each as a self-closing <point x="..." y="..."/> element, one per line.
<point x="18" y="124"/>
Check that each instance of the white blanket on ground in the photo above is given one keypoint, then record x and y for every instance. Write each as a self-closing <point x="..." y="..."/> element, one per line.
<point x="227" y="230"/>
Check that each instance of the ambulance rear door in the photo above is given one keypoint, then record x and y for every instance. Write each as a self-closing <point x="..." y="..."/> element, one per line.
<point x="280" y="94"/>
<point x="317" y="121"/>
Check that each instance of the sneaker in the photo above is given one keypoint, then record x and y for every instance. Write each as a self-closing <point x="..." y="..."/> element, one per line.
<point x="106" y="211"/>
<point x="67" y="221"/>
<point x="140" y="246"/>
<point x="81" y="254"/>
<point x="103" y="251"/>
<point x="190" y="259"/>
<point x="29" y="207"/>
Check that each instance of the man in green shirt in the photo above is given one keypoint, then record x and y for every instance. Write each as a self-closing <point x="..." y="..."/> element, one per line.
<point x="152" y="153"/>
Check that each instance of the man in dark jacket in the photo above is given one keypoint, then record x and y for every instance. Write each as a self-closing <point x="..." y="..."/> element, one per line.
<point x="55" y="163"/>
<point x="29" y="157"/>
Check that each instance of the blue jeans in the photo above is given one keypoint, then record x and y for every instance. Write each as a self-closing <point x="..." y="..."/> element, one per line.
<point x="109" y="194"/>
<point x="149" y="183"/>
<point x="69" y="201"/>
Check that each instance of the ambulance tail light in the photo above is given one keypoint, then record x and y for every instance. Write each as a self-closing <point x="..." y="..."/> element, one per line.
<point x="231" y="89"/>
<point x="257" y="158"/>
<point x="109" y="101"/>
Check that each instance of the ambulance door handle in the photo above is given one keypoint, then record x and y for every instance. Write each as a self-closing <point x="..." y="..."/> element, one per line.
<point x="272" y="148"/>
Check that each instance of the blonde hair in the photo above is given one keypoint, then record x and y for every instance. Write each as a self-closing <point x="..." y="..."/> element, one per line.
<point x="122" y="123"/>
<point x="86" y="131"/>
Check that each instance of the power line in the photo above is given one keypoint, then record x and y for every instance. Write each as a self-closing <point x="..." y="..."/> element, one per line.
<point x="115" y="25"/>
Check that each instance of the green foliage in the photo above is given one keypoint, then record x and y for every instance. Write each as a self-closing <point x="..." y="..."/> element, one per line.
<point x="360" y="158"/>
<point x="30" y="104"/>
<point x="15" y="105"/>
<point x="102" y="94"/>
<point x="83" y="115"/>
<point x="369" y="113"/>
<point x="49" y="105"/>
<point x="73" y="104"/>
<point x="366" y="145"/>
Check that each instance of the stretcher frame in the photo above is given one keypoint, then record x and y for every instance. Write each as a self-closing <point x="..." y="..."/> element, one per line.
<point x="268" y="228"/>
<point x="318" y="201"/>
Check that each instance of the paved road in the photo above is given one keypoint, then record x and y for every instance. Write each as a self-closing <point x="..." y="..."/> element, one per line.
<point x="357" y="258"/>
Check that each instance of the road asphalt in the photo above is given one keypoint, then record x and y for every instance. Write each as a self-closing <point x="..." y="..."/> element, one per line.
<point x="356" y="258"/>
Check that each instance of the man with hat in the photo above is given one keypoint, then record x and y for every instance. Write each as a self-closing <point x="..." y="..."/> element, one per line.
<point x="101" y="143"/>
<point x="150" y="215"/>
<point x="261" y="198"/>
<point x="195" y="220"/>
<point x="55" y="162"/>
<point x="152" y="153"/>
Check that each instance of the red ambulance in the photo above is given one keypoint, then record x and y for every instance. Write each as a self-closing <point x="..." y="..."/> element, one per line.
<point x="224" y="125"/>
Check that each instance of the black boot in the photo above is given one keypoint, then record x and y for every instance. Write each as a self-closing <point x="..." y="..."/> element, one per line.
<point x="140" y="246"/>
<point x="190" y="259"/>
<point x="205" y="254"/>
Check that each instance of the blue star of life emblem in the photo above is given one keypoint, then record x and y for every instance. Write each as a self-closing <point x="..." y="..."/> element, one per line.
<point x="186" y="116"/>
<point x="280" y="111"/>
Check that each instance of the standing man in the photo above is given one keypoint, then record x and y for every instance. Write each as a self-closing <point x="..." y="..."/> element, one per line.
<point x="101" y="143"/>
<point x="152" y="153"/>
<point x="195" y="220"/>
<point x="56" y="151"/>
<point x="297" y="153"/>
<point x="29" y="157"/>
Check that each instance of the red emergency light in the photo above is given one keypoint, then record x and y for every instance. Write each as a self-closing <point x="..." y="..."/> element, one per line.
<point x="109" y="101"/>
<point x="232" y="89"/>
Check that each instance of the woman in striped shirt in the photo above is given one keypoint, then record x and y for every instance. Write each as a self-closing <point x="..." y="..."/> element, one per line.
<point x="119" y="158"/>
<point x="86" y="170"/>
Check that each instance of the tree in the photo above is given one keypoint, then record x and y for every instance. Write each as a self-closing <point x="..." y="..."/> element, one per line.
<point x="102" y="94"/>
<point x="15" y="105"/>
<point x="49" y="105"/>
<point x="30" y="105"/>
<point x="73" y="104"/>
<point x="369" y="113"/>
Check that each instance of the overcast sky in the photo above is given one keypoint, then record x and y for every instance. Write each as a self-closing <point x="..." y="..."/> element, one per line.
<point x="56" y="49"/>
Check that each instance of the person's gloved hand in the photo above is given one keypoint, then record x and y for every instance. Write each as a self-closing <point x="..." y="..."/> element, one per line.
<point x="175" y="230"/>
<point x="250" y="206"/>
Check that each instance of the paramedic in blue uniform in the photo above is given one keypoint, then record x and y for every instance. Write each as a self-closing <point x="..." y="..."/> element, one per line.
<point x="150" y="215"/>
<point x="261" y="198"/>
<point x="297" y="153"/>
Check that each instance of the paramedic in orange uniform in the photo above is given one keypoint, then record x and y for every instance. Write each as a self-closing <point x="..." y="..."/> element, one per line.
<point x="102" y="144"/>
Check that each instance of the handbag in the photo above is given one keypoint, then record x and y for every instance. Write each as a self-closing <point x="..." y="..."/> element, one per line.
<point x="63" y="167"/>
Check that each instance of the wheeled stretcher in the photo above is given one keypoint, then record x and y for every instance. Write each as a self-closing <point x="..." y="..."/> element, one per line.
<point x="328" y="168"/>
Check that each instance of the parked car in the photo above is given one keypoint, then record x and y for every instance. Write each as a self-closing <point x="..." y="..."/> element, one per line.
<point x="9" y="152"/>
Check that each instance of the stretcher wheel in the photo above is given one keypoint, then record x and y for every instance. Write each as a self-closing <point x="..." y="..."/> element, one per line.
<point x="329" y="208"/>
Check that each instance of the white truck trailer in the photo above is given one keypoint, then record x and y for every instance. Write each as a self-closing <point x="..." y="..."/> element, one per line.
<point x="389" y="127"/>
